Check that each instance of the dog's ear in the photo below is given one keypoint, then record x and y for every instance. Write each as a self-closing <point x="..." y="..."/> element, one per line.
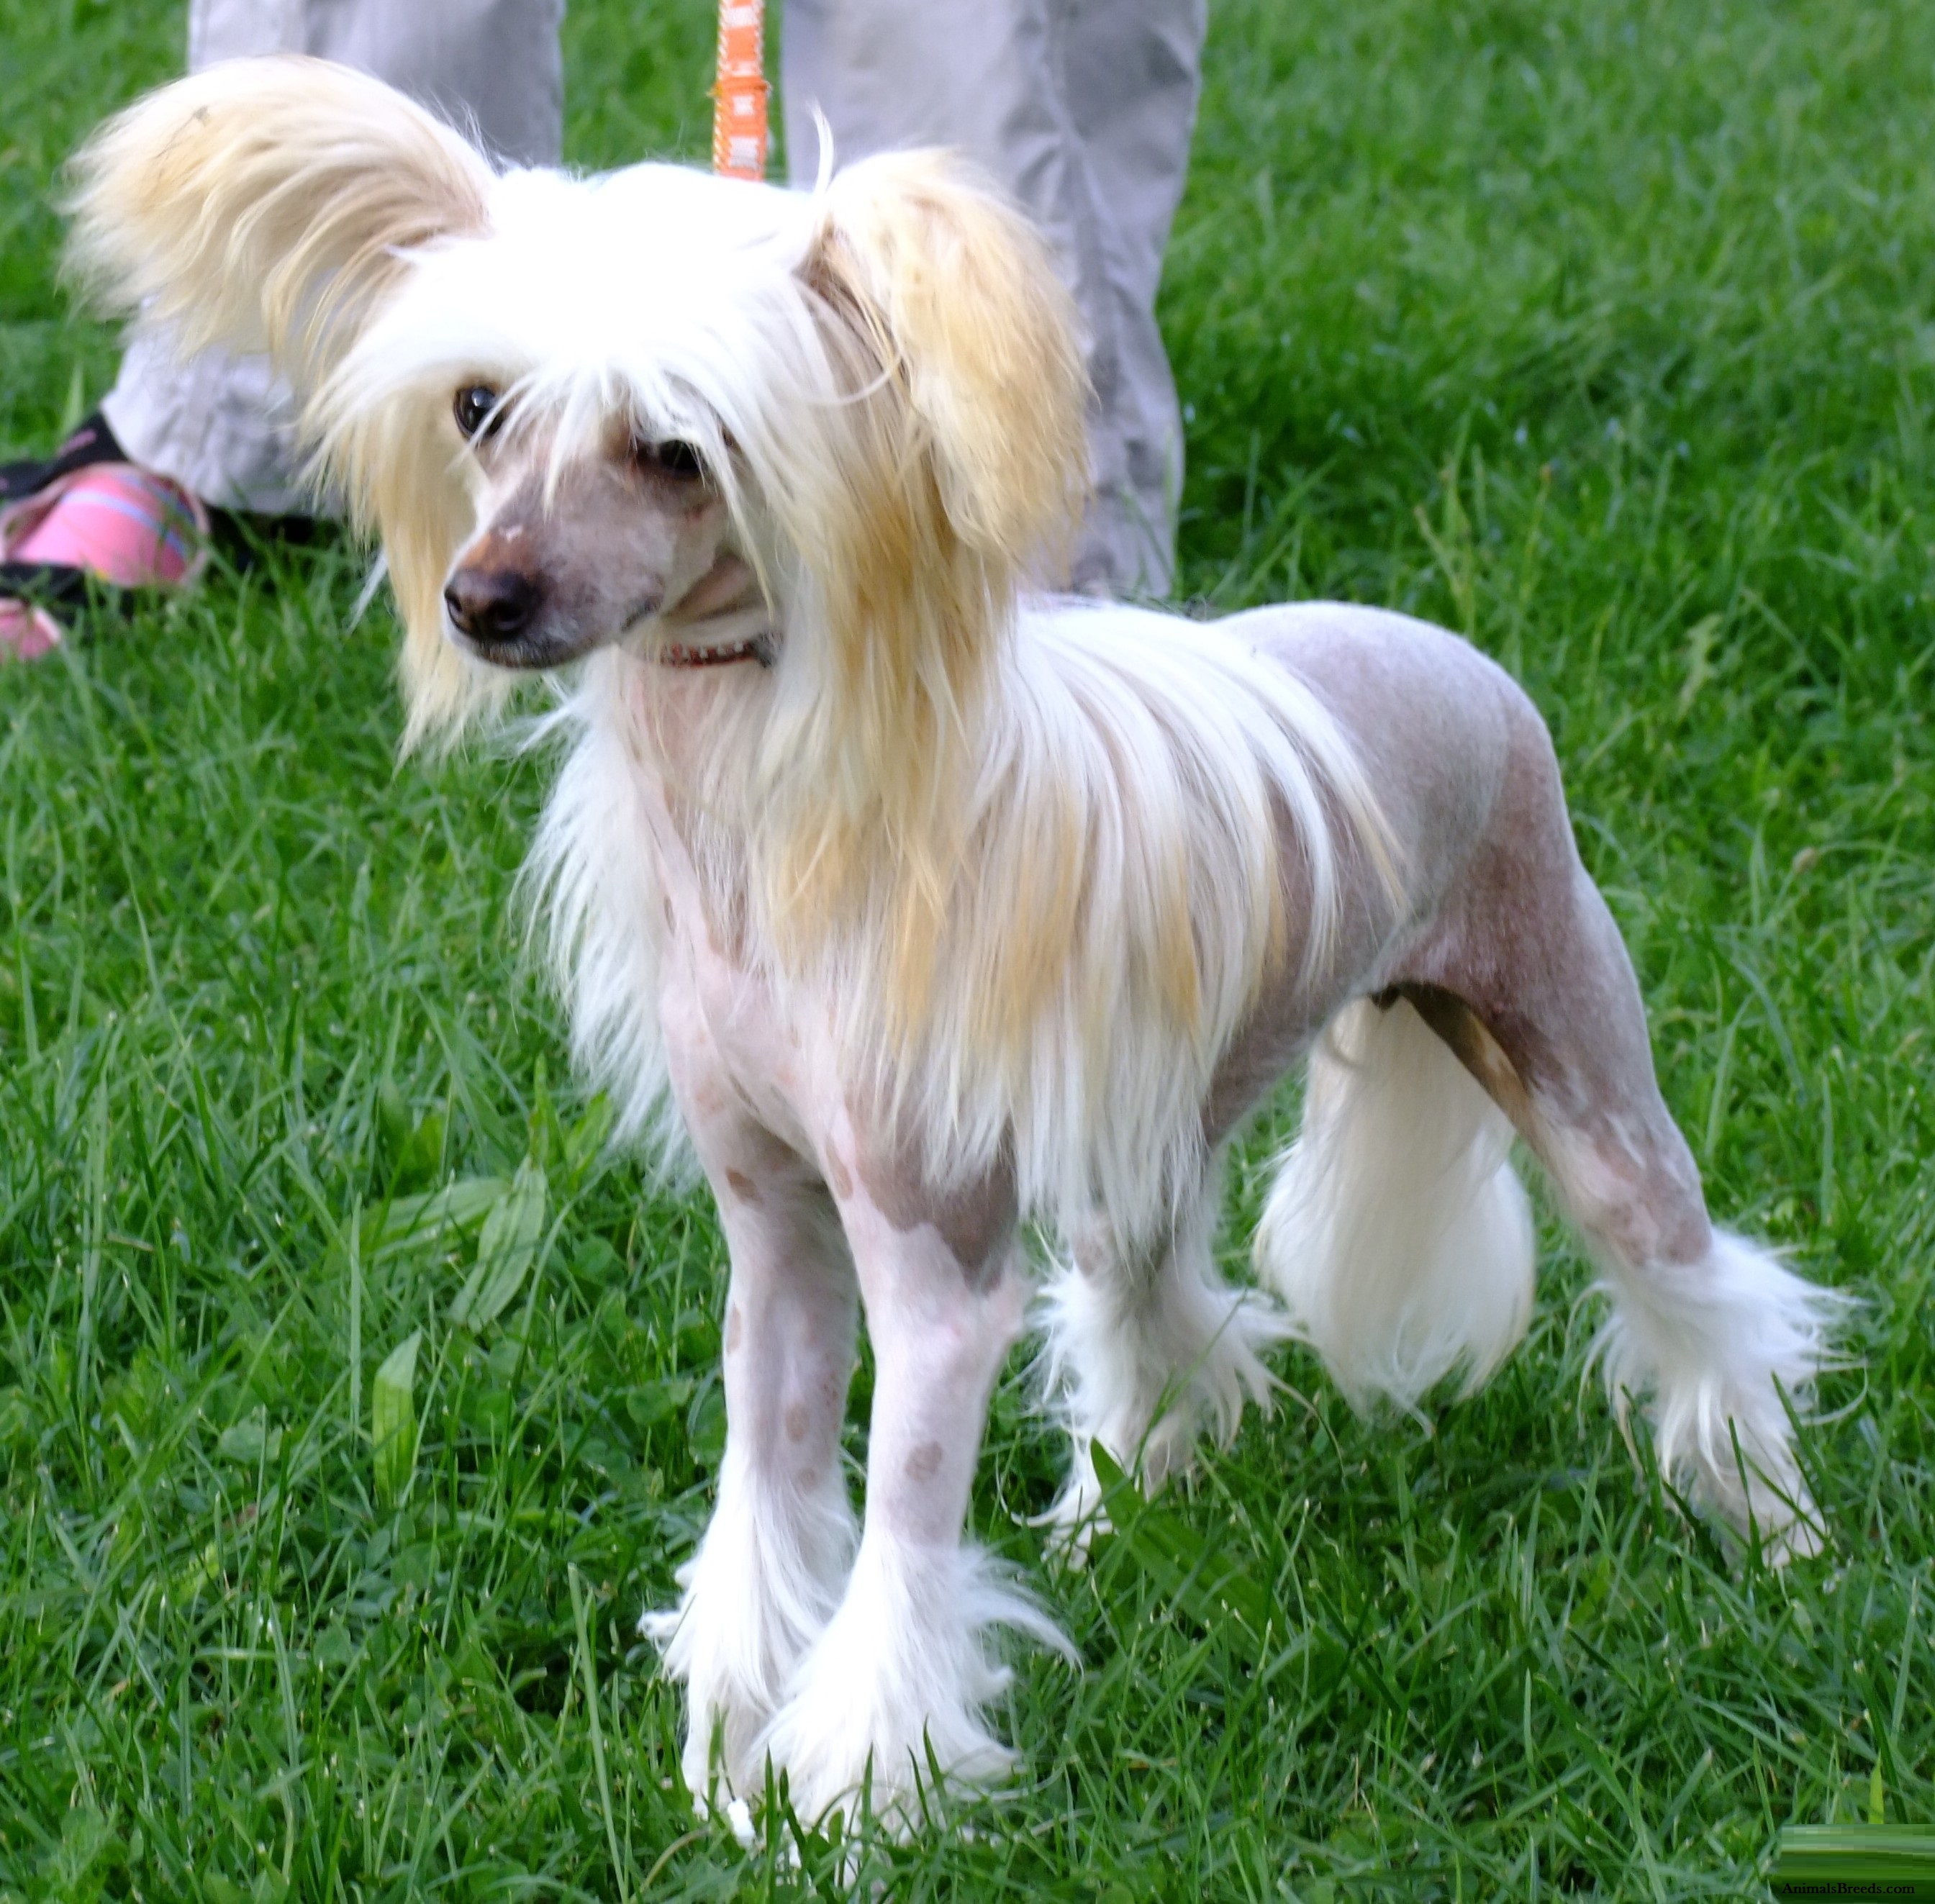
<point x="952" y="468"/>
<point x="267" y="204"/>
<point x="957" y="296"/>
<point x="272" y="205"/>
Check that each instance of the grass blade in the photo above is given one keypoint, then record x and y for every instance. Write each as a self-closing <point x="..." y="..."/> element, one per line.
<point x="393" y="1419"/>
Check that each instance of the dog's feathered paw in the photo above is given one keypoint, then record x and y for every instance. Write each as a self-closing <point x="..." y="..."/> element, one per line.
<point x="899" y="1684"/>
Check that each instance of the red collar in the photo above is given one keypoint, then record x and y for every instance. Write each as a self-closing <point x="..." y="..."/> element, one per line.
<point x="676" y="654"/>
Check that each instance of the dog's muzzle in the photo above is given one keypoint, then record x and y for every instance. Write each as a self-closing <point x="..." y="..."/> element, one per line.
<point x="508" y="616"/>
<point x="492" y="608"/>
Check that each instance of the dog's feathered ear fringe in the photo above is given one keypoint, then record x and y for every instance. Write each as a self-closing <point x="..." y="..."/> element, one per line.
<point x="963" y="467"/>
<point x="271" y="205"/>
<point x="956" y="293"/>
<point x="266" y="204"/>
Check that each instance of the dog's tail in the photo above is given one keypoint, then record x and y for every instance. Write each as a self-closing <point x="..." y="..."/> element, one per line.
<point x="1397" y="1233"/>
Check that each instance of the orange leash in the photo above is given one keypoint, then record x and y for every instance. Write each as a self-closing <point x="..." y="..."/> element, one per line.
<point x="739" y="95"/>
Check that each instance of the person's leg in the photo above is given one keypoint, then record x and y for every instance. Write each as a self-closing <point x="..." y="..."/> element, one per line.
<point x="1132" y="74"/>
<point x="218" y="424"/>
<point x="492" y="68"/>
<point x="993" y="79"/>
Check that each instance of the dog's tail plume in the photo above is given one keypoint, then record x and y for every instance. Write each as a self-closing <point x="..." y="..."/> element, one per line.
<point x="1396" y="1232"/>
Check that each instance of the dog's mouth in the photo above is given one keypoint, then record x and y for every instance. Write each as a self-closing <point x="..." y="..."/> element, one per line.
<point x="530" y="653"/>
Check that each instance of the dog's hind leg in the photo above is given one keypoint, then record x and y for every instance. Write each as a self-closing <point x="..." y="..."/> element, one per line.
<point x="1525" y="977"/>
<point x="771" y="1567"/>
<point x="1146" y="1347"/>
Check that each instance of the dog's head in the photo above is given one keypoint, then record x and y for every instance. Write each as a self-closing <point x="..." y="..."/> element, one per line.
<point x="657" y="409"/>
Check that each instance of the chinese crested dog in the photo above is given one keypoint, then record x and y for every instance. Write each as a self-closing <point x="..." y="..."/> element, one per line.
<point x="917" y="906"/>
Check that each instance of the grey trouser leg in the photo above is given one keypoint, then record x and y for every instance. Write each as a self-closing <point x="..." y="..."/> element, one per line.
<point x="1082" y="110"/>
<point x="219" y="424"/>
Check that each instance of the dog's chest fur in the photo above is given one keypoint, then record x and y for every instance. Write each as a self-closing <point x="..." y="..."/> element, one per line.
<point x="733" y="1054"/>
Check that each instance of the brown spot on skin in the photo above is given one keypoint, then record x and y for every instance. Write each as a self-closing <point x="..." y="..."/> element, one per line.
<point x="975" y="1220"/>
<point x="773" y="1171"/>
<point x="839" y="1176"/>
<point x="796" y="1422"/>
<point x="735" y="1328"/>
<point x="707" y="1098"/>
<point x="925" y="1462"/>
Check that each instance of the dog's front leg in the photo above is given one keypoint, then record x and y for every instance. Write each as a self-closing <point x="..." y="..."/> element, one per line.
<point x="904" y="1665"/>
<point x="769" y="1571"/>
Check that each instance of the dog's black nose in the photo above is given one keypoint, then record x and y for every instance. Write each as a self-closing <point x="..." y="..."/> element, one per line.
<point x="492" y="605"/>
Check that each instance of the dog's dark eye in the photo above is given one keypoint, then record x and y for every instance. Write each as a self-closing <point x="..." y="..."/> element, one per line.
<point x="476" y="409"/>
<point x="673" y="458"/>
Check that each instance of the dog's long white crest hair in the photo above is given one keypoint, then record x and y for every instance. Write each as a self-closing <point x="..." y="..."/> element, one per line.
<point x="1035" y="874"/>
<point x="942" y="458"/>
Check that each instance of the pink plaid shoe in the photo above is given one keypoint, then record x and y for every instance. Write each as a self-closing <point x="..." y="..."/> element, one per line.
<point x="109" y="522"/>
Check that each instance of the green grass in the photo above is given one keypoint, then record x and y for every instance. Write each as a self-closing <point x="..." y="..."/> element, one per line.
<point x="1601" y="329"/>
